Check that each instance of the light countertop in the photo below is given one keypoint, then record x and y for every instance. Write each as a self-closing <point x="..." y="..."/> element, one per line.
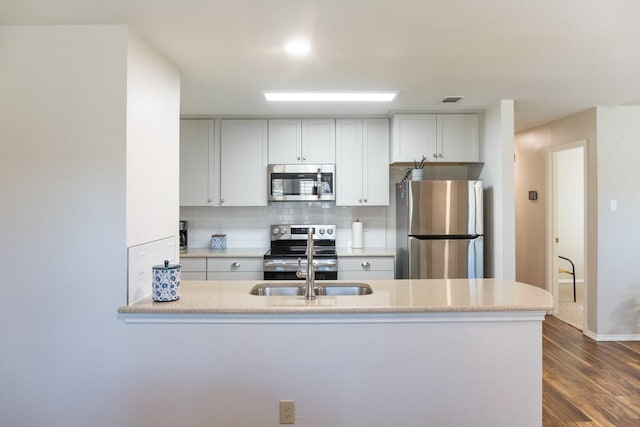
<point x="259" y="252"/>
<point x="389" y="296"/>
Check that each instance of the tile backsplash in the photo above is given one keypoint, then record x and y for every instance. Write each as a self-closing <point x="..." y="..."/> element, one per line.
<point x="141" y="259"/>
<point x="248" y="227"/>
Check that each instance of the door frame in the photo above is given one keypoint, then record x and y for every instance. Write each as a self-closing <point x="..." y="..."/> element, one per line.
<point x="552" y="221"/>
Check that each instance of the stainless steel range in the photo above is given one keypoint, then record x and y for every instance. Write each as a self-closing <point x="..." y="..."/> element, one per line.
<point x="289" y="244"/>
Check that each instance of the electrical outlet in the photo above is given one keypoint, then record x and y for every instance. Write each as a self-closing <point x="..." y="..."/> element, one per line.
<point x="287" y="412"/>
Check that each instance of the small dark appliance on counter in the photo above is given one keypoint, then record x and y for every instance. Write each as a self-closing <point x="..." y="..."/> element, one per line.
<point x="183" y="236"/>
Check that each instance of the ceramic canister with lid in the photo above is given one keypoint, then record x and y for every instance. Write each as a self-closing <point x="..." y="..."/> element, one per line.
<point x="166" y="282"/>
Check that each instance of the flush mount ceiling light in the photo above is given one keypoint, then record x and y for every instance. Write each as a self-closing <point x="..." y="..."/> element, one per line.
<point x="331" y="96"/>
<point x="297" y="47"/>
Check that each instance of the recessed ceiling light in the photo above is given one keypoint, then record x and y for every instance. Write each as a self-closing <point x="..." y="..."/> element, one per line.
<point x="297" y="47"/>
<point x="331" y="96"/>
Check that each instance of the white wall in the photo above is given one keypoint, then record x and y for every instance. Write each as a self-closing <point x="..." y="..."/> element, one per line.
<point x="67" y="359"/>
<point x="498" y="179"/>
<point x="62" y="106"/>
<point x="618" y="292"/>
<point x="570" y="207"/>
<point x="153" y="103"/>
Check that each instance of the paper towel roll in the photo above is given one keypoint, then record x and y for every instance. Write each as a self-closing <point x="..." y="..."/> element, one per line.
<point x="357" y="238"/>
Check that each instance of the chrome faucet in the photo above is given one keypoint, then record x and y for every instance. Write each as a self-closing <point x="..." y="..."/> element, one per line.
<point x="310" y="291"/>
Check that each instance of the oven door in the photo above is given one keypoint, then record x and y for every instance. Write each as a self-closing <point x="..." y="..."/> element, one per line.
<point x="291" y="275"/>
<point x="286" y="268"/>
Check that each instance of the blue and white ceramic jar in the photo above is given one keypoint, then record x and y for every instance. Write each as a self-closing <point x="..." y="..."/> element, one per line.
<point x="219" y="241"/>
<point x="166" y="282"/>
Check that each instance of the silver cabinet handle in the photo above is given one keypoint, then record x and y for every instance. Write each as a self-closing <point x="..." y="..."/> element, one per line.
<point x="365" y="264"/>
<point x="360" y="200"/>
<point x="440" y="155"/>
<point x="365" y="200"/>
<point x="235" y="265"/>
<point x="435" y="155"/>
<point x="221" y="200"/>
<point x="298" y="157"/>
<point x="209" y="200"/>
<point x="304" y="158"/>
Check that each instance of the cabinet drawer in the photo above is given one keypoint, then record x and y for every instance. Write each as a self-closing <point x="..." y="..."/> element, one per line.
<point x="234" y="264"/>
<point x="365" y="275"/>
<point x="365" y="263"/>
<point x="193" y="275"/>
<point x="193" y="264"/>
<point x="235" y="275"/>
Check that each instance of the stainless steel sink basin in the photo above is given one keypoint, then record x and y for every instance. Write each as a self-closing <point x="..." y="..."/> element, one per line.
<point x="322" y="289"/>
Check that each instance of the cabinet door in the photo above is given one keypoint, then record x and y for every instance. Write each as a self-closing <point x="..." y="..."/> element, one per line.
<point x="414" y="136"/>
<point x="285" y="141"/>
<point x="243" y="163"/>
<point x="318" y="141"/>
<point x="376" y="162"/>
<point x="364" y="268"/>
<point x="198" y="180"/>
<point x="458" y="138"/>
<point x="349" y="153"/>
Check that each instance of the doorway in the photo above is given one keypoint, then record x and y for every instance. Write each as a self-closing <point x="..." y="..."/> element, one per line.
<point x="566" y="275"/>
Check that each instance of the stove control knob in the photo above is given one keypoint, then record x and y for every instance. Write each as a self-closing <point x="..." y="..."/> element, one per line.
<point x="275" y="231"/>
<point x="330" y="231"/>
<point x="321" y="231"/>
<point x="283" y="230"/>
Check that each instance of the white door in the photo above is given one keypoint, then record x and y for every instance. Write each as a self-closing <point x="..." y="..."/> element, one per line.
<point x="243" y="163"/>
<point x="376" y="162"/>
<point x="198" y="180"/>
<point x="285" y="137"/>
<point x="349" y="163"/>
<point x="458" y="138"/>
<point x="318" y="141"/>
<point x="567" y="187"/>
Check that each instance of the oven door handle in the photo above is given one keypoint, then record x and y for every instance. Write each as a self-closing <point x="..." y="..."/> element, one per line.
<point x="319" y="183"/>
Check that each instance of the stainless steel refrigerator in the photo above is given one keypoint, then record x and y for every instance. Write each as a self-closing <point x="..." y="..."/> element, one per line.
<point x="439" y="230"/>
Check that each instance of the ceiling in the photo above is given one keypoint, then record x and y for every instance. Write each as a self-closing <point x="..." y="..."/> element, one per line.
<point x="554" y="58"/>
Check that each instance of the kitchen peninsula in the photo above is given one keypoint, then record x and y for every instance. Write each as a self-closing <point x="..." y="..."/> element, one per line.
<point x="415" y="352"/>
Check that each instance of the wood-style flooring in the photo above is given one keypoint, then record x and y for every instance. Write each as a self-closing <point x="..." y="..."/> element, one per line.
<point x="588" y="383"/>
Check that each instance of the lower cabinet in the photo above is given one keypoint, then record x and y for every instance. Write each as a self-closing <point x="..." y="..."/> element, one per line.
<point x="222" y="268"/>
<point x="363" y="268"/>
<point x="193" y="269"/>
<point x="235" y="268"/>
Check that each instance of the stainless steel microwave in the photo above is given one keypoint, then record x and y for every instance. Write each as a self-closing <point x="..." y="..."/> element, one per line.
<point x="299" y="182"/>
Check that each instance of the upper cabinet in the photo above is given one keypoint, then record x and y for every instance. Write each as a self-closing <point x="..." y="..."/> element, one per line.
<point x="199" y="155"/>
<point x="310" y="141"/>
<point x="362" y="162"/>
<point x="452" y="138"/>
<point x="243" y="163"/>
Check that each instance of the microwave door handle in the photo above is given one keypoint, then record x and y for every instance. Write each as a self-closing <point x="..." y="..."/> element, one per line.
<point x="319" y="183"/>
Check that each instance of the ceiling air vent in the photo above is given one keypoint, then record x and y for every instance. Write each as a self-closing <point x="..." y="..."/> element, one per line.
<point x="451" y="99"/>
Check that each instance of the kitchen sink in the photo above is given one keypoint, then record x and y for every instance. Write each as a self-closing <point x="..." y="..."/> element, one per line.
<point x="322" y="289"/>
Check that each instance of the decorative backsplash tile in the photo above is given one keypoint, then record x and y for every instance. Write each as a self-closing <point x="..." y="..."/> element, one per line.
<point x="248" y="227"/>
<point x="141" y="259"/>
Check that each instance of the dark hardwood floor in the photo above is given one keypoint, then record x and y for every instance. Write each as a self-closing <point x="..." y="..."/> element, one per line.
<point x="588" y="383"/>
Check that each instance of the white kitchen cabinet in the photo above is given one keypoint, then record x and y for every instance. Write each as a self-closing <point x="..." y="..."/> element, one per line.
<point x="310" y="141"/>
<point x="193" y="269"/>
<point x="239" y="268"/>
<point x="199" y="178"/>
<point x="451" y="138"/>
<point x="243" y="163"/>
<point x="458" y="139"/>
<point x="365" y="268"/>
<point x="362" y="162"/>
